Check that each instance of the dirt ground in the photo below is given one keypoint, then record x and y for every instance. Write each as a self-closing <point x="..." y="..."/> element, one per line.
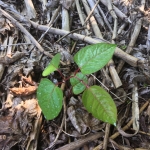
<point x="32" y="32"/>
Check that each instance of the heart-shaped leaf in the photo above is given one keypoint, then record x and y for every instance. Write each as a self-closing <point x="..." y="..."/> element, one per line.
<point x="52" y="66"/>
<point x="98" y="102"/>
<point x="94" y="57"/>
<point x="49" y="98"/>
<point x="78" y="82"/>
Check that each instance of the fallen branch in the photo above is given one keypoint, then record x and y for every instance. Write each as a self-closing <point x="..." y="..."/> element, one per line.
<point x="79" y="143"/>
<point x="133" y="61"/>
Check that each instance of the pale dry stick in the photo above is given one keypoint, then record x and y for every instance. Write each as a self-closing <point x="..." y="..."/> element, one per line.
<point x="118" y="12"/>
<point x="142" y="132"/>
<point x="31" y="12"/>
<point x="81" y="15"/>
<point x="81" y="142"/>
<point x="96" y="12"/>
<point x="116" y="145"/>
<point x="121" y="28"/>
<point x="11" y="39"/>
<point x="115" y="135"/>
<point x="134" y="37"/>
<point x="133" y="61"/>
<point x="114" y="36"/>
<point x="93" y="22"/>
<point x="33" y="40"/>
<point x="106" y="137"/>
<point x="65" y="23"/>
<point x="91" y="12"/>
<point x="104" y="17"/>
<point x="135" y="107"/>
<point x="1" y="70"/>
<point x="73" y="47"/>
<point x="116" y="80"/>
<point x="111" y="11"/>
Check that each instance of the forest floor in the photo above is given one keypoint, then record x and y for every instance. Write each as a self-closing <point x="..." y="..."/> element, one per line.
<point x="32" y="32"/>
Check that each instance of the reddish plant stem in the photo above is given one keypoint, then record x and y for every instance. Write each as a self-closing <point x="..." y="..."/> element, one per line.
<point x="60" y="73"/>
<point x="65" y="79"/>
<point x="76" y="71"/>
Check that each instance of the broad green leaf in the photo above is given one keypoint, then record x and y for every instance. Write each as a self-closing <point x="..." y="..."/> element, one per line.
<point x="94" y="57"/>
<point x="78" y="82"/>
<point x="98" y="102"/>
<point x="52" y="66"/>
<point x="49" y="98"/>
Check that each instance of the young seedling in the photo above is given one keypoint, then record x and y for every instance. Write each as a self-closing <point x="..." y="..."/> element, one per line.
<point x="95" y="99"/>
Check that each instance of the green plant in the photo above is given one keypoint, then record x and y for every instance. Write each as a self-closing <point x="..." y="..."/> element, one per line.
<point x="95" y="99"/>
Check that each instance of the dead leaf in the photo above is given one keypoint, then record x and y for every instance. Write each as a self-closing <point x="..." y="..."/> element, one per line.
<point x="23" y="91"/>
<point x="76" y="120"/>
<point x="7" y="60"/>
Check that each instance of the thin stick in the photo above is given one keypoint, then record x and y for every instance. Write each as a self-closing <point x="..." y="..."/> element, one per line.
<point x="69" y="33"/>
<point x="106" y="137"/>
<point x="79" y="143"/>
<point x="106" y="88"/>
<point x="81" y="15"/>
<point x="96" y="13"/>
<point x="91" y="12"/>
<point x="93" y="22"/>
<point x="50" y="23"/>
